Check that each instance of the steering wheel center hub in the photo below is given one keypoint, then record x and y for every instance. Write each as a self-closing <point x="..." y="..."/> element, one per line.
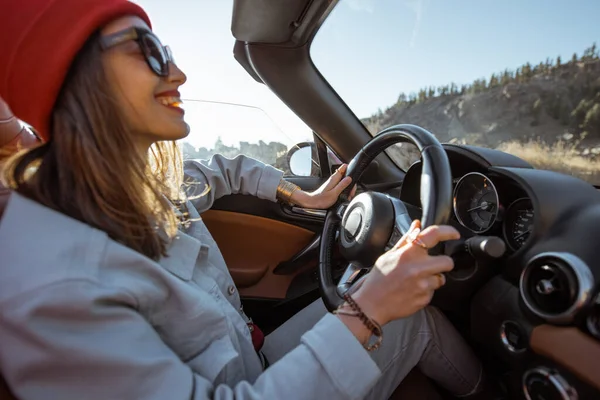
<point x="366" y="228"/>
<point x="353" y="224"/>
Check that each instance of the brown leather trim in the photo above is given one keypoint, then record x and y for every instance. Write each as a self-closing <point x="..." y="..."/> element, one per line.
<point x="253" y="246"/>
<point x="570" y="348"/>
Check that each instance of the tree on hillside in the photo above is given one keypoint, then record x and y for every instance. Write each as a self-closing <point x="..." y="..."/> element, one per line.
<point x="539" y="69"/>
<point x="527" y="72"/>
<point x="431" y="92"/>
<point x="422" y="96"/>
<point x="558" y="61"/>
<point x="402" y="99"/>
<point x="493" y="81"/>
<point x="453" y="88"/>
<point x="506" y="77"/>
<point x="479" y="85"/>
<point x="574" y="58"/>
<point x="589" y="54"/>
<point x="518" y="76"/>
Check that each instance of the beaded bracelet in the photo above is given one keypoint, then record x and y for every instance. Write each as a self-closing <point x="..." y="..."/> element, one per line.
<point x="371" y="325"/>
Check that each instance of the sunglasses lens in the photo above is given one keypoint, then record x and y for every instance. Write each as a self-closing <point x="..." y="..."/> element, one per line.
<point x="155" y="54"/>
<point x="169" y="54"/>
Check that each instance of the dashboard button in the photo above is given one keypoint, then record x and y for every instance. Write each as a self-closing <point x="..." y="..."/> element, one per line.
<point x="512" y="337"/>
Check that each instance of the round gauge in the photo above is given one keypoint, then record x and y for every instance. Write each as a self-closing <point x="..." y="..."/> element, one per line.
<point x="476" y="202"/>
<point x="518" y="223"/>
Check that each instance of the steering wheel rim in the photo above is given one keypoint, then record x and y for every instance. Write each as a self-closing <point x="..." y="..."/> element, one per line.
<point x="436" y="195"/>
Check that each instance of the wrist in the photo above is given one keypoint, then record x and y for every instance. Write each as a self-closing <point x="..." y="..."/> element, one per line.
<point x="300" y="197"/>
<point x="370" y="306"/>
<point x="356" y="327"/>
<point x="371" y="327"/>
<point x="287" y="191"/>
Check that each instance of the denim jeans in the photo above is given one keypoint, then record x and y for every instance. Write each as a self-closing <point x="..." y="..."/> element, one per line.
<point x="425" y="339"/>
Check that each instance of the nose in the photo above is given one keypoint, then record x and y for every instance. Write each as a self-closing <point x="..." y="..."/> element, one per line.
<point x="175" y="74"/>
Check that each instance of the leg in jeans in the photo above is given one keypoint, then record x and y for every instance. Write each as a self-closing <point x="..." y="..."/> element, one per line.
<point x="425" y="339"/>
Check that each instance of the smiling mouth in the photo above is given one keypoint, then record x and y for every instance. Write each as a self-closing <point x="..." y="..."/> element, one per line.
<point x="171" y="102"/>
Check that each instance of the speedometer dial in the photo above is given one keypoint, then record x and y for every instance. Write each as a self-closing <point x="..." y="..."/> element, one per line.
<point x="519" y="223"/>
<point x="476" y="202"/>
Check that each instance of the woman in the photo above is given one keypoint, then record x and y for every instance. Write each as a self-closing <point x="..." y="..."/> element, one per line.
<point x="126" y="295"/>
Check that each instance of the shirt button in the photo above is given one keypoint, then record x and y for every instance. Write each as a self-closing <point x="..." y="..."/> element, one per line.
<point x="231" y="290"/>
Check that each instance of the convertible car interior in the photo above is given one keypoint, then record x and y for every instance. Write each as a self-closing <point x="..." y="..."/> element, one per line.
<point x="525" y="288"/>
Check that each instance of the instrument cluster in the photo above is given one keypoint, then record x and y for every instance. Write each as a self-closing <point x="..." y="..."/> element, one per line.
<point x="479" y="207"/>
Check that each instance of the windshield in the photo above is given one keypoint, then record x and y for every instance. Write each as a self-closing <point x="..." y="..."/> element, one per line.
<point x="519" y="76"/>
<point x="233" y="129"/>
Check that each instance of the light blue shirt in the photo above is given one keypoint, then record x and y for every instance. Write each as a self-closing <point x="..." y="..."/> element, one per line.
<point x="84" y="317"/>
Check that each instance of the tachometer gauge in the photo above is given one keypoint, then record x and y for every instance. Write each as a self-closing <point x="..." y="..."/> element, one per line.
<point x="518" y="223"/>
<point x="476" y="202"/>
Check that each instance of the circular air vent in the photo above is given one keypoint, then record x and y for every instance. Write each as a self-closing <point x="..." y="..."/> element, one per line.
<point x="543" y="383"/>
<point x="555" y="286"/>
<point x="593" y="319"/>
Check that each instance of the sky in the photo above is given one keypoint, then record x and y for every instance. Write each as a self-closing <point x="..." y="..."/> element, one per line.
<point x="369" y="50"/>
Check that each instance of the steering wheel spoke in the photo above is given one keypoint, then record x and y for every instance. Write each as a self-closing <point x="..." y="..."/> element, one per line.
<point x="402" y="222"/>
<point x="341" y="210"/>
<point x="351" y="274"/>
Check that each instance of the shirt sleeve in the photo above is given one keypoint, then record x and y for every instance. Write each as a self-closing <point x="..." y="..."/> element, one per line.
<point x="78" y="340"/>
<point x="206" y="181"/>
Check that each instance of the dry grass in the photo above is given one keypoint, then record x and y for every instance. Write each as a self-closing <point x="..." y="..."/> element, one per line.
<point x="561" y="156"/>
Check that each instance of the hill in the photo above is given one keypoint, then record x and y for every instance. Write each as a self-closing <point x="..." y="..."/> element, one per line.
<point x="548" y="114"/>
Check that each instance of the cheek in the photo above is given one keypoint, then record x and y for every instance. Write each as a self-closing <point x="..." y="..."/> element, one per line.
<point x="134" y="87"/>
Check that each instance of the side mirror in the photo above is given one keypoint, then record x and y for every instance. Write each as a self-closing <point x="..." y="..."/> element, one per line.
<point x="300" y="159"/>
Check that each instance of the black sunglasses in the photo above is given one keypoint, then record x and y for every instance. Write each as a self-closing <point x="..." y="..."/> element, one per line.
<point x="157" y="56"/>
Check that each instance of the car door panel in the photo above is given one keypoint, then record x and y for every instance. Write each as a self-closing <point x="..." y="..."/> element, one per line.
<point x="267" y="209"/>
<point x="253" y="246"/>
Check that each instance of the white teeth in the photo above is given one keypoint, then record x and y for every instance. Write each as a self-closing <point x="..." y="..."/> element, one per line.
<point x="170" y="101"/>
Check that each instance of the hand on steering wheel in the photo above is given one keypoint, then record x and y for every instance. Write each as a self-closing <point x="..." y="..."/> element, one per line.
<point x="373" y="222"/>
<point x="327" y="195"/>
<point x="403" y="280"/>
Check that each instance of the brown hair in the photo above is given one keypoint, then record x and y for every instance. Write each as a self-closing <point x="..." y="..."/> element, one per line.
<point x="91" y="170"/>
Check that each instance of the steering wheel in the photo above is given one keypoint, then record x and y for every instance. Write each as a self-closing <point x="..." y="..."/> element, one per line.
<point x="373" y="222"/>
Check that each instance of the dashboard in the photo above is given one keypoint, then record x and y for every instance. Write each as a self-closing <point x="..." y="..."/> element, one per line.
<point x="548" y="279"/>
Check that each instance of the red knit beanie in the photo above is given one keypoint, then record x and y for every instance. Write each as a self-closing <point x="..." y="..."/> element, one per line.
<point x="38" y="41"/>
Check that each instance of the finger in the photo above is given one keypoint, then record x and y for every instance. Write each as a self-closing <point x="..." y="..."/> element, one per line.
<point x="342" y="169"/>
<point x="435" y="234"/>
<point x="433" y="265"/>
<point x="437" y="281"/>
<point x="416" y="225"/>
<point x="344" y="183"/>
<point x="353" y="192"/>
<point x="335" y="178"/>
